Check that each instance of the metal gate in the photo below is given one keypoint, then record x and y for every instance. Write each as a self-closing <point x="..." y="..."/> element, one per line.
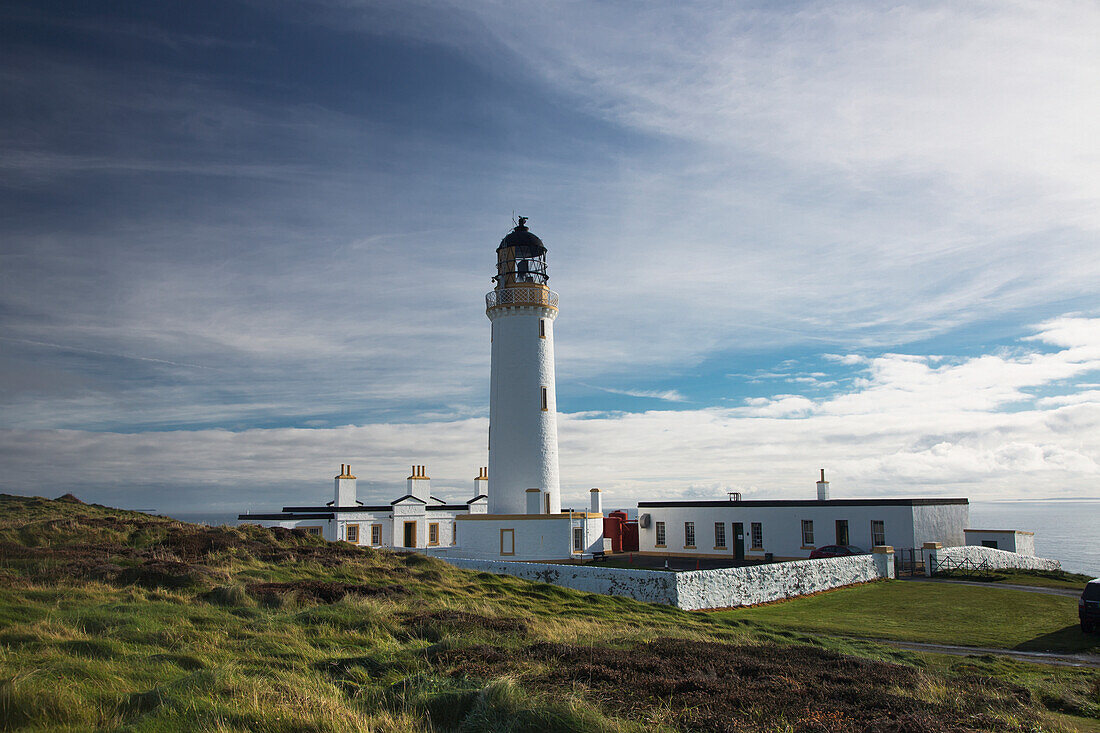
<point x="908" y="562"/>
<point x="963" y="566"/>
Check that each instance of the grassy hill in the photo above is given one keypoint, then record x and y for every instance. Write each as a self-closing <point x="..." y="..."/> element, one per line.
<point x="115" y="620"/>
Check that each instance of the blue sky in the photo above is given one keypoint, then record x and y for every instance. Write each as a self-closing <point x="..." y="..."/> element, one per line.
<point x="245" y="242"/>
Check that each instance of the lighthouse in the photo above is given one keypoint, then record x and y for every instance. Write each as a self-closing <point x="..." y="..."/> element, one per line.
<point x="523" y="426"/>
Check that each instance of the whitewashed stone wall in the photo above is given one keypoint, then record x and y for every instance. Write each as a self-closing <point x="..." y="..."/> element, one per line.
<point x="996" y="559"/>
<point x="697" y="589"/>
<point x="651" y="586"/>
<point x="754" y="584"/>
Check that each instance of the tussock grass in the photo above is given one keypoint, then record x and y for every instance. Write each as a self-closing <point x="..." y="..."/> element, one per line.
<point x="113" y="620"/>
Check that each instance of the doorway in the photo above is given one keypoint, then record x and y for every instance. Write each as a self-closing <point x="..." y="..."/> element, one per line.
<point x="842" y="532"/>
<point x="410" y="534"/>
<point x="738" y="541"/>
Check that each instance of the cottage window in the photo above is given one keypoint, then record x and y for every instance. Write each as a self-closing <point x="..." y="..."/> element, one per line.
<point x="351" y="534"/>
<point x="507" y="542"/>
<point x="719" y="535"/>
<point x="878" y="532"/>
<point x="578" y="539"/>
<point x="689" y="534"/>
<point x="757" y="531"/>
<point x="433" y="533"/>
<point x="376" y="534"/>
<point x="660" y="534"/>
<point x="807" y="533"/>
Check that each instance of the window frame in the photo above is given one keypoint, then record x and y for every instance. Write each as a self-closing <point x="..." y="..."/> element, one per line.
<point x="689" y="535"/>
<point x="350" y="529"/>
<point x="808" y="537"/>
<point x="660" y="533"/>
<point x="511" y="544"/>
<point x="542" y="328"/>
<point x="720" y="536"/>
<point x="578" y="540"/>
<point x="376" y="532"/>
<point x="545" y="396"/>
<point x="433" y="528"/>
<point x="882" y="533"/>
<point x="756" y="535"/>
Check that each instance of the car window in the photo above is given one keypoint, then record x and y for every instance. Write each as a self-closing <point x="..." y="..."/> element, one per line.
<point x="1092" y="592"/>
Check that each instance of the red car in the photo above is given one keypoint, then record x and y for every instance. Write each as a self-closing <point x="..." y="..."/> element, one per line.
<point x="836" y="551"/>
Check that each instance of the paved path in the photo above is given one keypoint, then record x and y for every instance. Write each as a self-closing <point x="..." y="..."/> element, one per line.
<point x="1068" y="592"/>
<point x="1064" y="660"/>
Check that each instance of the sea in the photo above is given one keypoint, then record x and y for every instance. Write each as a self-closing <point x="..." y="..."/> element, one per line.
<point x="1065" y="530"/>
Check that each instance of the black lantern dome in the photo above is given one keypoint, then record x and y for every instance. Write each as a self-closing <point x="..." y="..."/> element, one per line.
<point x="521" y="258"/>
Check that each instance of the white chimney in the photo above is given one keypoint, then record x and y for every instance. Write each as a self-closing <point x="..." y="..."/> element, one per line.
<point x="823" y="488"/>
<point x="597" y="503"/>
<point x="481" y="483"/>
<point x="419" y="485"/>
<point x="344" y="487"/>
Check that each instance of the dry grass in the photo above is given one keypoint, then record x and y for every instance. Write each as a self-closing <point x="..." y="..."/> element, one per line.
<point x="113" y="620"/>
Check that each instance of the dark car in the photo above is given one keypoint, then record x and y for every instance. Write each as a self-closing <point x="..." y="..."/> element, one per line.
<point x="1088" y="607"/>
<point x="836" y="551"/>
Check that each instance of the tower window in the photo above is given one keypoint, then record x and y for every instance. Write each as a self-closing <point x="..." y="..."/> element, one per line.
<point x="545" y="400"/>
<point x="542" y="328"/>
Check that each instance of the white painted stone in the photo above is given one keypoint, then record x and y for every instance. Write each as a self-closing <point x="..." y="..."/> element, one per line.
<point x="996" y="559"/>
<point x="746" y="586"/>
<point x="698" y="589"/>
<point x="652" y="586"/>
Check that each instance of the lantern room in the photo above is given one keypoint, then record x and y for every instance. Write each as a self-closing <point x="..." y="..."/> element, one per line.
<point x="521" y="259"/>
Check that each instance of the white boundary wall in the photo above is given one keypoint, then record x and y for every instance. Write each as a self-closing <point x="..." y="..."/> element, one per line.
<point x="996" y="559"/>
<point x="746" y="586"/>
<point x="699" y="589"/>
<point x="652" y="586"/>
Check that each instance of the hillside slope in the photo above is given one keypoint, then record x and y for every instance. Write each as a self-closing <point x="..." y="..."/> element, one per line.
<point x="115" y="620"/>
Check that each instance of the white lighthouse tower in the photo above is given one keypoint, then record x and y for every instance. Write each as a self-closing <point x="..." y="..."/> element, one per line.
<point x="525" y="519"/>
<point x="523" y="426"/>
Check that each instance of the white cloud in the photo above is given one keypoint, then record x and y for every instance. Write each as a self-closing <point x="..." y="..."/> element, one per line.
<point x="668" y="395"/>
<point x="913" y="428"/>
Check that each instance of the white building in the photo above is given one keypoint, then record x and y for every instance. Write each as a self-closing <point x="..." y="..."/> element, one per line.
<point x="792" y="529"/>
<point x="415" y="520"/>
<point x="516" y="510"/>
<point x="1011" y="540"/>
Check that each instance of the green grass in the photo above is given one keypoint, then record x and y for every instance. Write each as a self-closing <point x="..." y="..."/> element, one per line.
<point x="1037" y="578"/>
<point x="98" y="632"/>
<point x="940" y="613"/>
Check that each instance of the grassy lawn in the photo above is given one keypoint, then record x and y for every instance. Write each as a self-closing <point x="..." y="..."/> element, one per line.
<point x="936" y="613"/>
<point x="115" y="621"/>
<point x="1037" y="578"/>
